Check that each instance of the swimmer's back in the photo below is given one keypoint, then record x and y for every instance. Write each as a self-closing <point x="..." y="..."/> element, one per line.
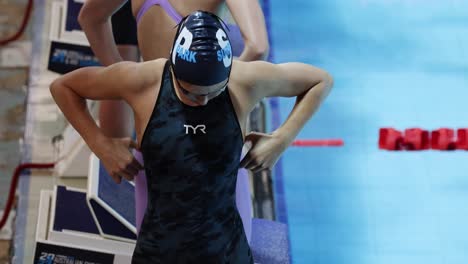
<point x="185" y="7"/>
<point x="157" y="28"/>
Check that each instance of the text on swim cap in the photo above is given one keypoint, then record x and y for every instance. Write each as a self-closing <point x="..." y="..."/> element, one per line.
<point x="224" y="53"/>
<point x="186" y="54"/>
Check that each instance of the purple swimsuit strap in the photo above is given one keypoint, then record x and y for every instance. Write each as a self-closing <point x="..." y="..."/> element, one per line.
<point x="164" y="4"/>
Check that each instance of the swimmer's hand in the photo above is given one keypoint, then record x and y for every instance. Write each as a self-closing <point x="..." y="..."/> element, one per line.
<point x="116" y="156"/>
<point x="264" y="152"/>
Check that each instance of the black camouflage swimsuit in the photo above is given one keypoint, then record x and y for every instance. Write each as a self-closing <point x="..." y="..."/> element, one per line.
<point x="191" y="157"/>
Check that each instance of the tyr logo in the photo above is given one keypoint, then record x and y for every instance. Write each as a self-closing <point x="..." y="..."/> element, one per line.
<point x="194" y="129"/>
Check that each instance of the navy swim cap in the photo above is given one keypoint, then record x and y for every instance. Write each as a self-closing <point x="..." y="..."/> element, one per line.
<point x="201" y="54"/>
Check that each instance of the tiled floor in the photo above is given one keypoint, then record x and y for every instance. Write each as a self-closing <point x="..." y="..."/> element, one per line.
<point x="42" y="124"/>
<point x="13" y="82"/>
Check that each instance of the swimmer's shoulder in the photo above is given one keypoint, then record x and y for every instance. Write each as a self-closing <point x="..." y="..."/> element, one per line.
<point x="151" y="72"/>
<point x="245" y="74"/>
<point x="150" y="76"/>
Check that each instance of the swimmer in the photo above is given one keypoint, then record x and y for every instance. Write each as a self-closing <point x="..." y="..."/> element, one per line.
<point x="190" y="119"/>
<point x="248" y="39"/>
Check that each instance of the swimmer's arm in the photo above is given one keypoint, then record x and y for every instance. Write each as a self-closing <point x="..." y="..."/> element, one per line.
<point x="310" y="85"/>
<point x="249" y="17"/>
<point x="95" y="20"/>
<point x="124" y="80"/>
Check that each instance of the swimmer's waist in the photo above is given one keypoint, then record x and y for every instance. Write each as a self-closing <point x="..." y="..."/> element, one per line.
<point x="193" y="207"/>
